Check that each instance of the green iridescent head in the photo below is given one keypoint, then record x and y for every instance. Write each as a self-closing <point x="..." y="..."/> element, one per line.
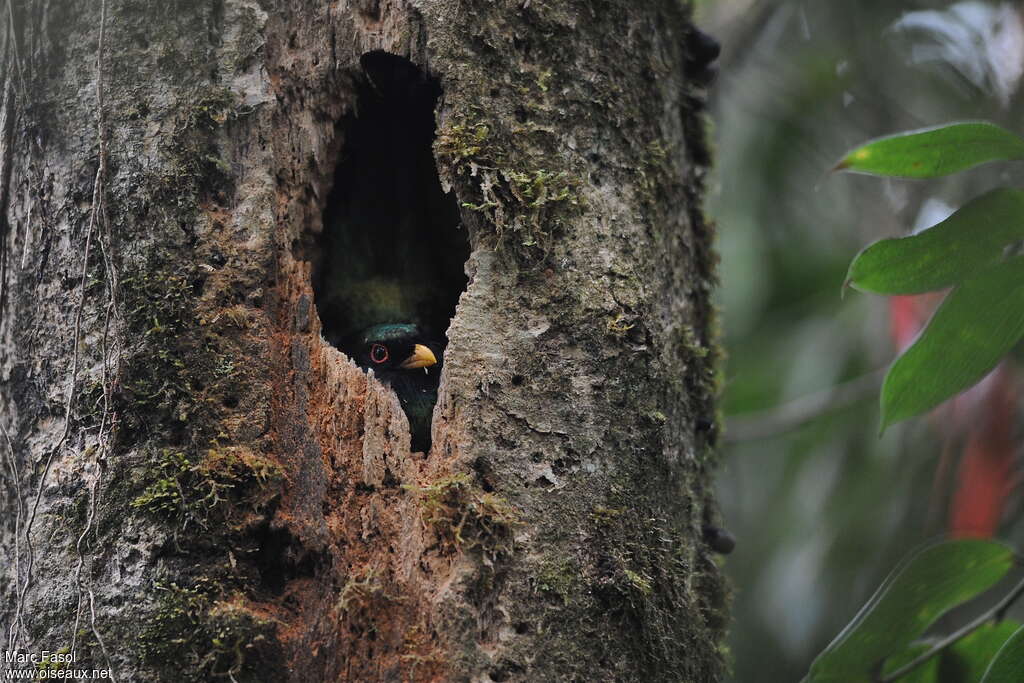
<point x="393" y="347"/>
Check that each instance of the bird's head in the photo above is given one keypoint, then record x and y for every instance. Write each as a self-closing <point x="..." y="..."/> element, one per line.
<point x="392" y="348"/>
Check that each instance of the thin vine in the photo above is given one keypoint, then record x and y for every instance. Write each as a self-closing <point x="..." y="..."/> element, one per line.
<point x="98" y="227"/>
<point x="7" y="112"/>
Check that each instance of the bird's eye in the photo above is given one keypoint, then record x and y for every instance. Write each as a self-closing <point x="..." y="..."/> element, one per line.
<point x="378" y="353"/>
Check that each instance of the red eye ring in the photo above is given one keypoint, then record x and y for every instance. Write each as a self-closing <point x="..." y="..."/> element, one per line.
<point x="378" y="353"/>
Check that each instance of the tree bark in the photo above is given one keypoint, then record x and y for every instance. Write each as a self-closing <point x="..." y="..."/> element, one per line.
<point x="196" y="485"/>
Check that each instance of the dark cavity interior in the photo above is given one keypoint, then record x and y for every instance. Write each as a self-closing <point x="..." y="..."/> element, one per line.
<point x="392" y="249"/>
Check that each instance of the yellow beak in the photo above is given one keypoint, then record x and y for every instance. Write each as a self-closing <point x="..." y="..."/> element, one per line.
<point x="421" y="357"/>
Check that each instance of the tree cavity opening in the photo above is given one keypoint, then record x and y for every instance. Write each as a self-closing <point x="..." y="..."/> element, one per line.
<point x="392" y="250"/>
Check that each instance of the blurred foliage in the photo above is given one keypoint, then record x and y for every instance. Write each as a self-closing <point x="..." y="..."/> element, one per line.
<point x="926" y="585"/>
<point x="821" y="507"/>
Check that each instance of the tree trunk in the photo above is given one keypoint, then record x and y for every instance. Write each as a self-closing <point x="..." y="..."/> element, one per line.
<point x="197" y="485"/>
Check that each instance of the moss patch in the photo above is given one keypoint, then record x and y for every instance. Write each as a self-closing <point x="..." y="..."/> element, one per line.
<point x="224" y="479"/>
<point x="192" y="636"/>
<point x="196" y="161"/>
<point x="360" y="588"/>
<point x="644" y="583"/>
<point x="466" y="517"/>
<point x="559" y="578"/>
<point x="526" y="204"/>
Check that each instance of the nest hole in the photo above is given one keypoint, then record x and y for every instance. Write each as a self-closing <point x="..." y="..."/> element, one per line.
<point x="392" y="249"/>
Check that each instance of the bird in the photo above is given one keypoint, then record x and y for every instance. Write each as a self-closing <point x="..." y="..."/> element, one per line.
<point x="388" y="266"/>
<point x="402" y="358"/>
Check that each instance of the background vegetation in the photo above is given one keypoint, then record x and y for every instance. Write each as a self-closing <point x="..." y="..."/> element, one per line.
<point x="822" y="507"/>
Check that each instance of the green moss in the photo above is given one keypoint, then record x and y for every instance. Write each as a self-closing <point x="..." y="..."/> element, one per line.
<point x="69" y="516"/>
<point x="544" y="79"/>
<point x="461" y="143"/>
<point x="657" y="417"/>
<point x="525" y="203"/>
<point x="192" y="636"/>
<point x="224" y="479"/>
<point x="639" y="582"/>
<point x="193" y="151"/>
<point x="655" y="173"/>
<point x="179" y="368"/>
<point x="160" y="388"/>
<point x="166" y="494"/>
<point x="138" y="110"/>
<point x="691" y="344"/>
<point x="466" y="517"/>
<point x="177" y="375"/>
<point x="646" y="583"/>
<point x="559" y="578"/>
<point x="359" y="589"/>
<point x="50" y="661"/>
<point x="619" y="326"/>
<point x="604" y="515"/>
<point x="210" y="108"/>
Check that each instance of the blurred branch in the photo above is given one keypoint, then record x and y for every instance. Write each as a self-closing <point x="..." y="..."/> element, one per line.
<point x="788" y="416"/>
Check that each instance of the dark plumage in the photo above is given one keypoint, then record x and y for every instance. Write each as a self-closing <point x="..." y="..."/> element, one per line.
<point x="400" y="357"/>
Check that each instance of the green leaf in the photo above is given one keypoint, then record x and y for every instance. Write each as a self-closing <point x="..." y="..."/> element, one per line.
<point x="976" y="325"/>
<point x="1008" y="665"/>
<point x="931" y="582"/>
<point x="970" y="657"/>
<point x="932" y="152"/>
<point x="945" y="253"/>
<point x="928" y="672"/>
<point x="965" y="661"/>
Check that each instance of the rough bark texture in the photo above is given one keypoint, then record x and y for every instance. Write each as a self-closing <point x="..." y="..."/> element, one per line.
<point x="241" y="498"/>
